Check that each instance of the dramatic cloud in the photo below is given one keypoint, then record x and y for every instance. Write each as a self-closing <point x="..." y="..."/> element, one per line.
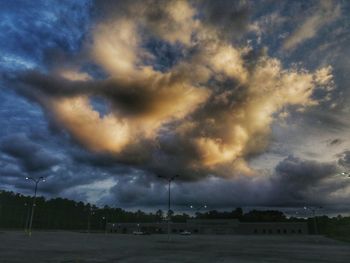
<point x="299" y="180"/>
<point x="102" y="96"/>
<point x="204" y="115"/>
<point x="294" y="183"/>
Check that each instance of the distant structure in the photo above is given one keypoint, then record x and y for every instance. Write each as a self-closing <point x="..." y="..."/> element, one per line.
<point x="213" y="227"/>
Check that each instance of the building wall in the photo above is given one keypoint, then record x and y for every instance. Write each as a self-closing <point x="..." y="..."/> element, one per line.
<point x="273" y="228"/>
<point x="210" y="227"/>
<point x="129" y="228"/>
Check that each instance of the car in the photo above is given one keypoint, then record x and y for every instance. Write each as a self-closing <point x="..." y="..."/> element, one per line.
<point x="186" y="233"/>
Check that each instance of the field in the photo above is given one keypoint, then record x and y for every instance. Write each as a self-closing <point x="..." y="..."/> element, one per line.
<point x="82" y="247"/>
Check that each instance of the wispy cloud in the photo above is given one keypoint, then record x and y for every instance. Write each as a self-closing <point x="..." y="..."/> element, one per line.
<point x="325" y="13"/>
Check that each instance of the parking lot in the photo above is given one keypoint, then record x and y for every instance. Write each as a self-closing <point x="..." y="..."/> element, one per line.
<point x="82" y="247"/>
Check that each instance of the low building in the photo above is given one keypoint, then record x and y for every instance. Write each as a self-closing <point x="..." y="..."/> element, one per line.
<point x="212" y="226"/>
<point x="273" y="228"/>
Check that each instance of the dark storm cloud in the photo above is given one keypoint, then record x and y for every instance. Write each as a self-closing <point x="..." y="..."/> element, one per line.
<point x="295" y="183"/>
<point x="21" y="157"/>
<point x="9" y="168"/>
<point x="104" y="162"/>
<point x="70" y="177"/>
<point x="59" y="181"/>
<point x="298" y="170"/>
<point x="31" y="156"/>
<point x="301" y="181"/>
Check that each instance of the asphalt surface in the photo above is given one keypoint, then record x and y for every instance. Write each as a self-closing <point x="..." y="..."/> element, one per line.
<point x="70" y="247"/>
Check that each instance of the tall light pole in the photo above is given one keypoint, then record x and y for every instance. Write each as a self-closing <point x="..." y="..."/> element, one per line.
<point x="313" y="210"/>
<point x="345" y="173"/>
<point x="196" y="210"/>
<point x="36" y="181"/>
<point x="91" y="212"/>
<point x="169" y="179"/>
<point x="105" y="220"/>
<point x="26" y="223"/>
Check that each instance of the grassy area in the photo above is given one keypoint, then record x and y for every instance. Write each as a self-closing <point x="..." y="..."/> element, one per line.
<point x="338" y="229"/>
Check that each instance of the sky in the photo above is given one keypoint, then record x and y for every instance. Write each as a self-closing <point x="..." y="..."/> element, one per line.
<point x="247" y="101"/>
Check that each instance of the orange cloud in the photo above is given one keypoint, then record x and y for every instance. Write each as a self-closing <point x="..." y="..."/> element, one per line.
<point x="216" y="106"/>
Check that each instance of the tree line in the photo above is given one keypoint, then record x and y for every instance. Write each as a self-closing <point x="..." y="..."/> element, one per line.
<point x="61" y="213"/>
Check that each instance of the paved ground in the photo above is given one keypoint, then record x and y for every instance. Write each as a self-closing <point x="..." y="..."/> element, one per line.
<point x="79" y="247"/>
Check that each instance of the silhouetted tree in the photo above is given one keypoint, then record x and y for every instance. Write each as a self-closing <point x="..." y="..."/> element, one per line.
<point x="61" y="213"/>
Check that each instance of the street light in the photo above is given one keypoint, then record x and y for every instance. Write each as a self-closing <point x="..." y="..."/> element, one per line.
<point x="169" y="179"/>
<point x="345" y="173"/>
<point x="26" y="223"/>
<point x="91" y="212"/>
<point x="198" y="208"/>
<point x="105" y="220"/>
<point x="36" y="181"/>
<point x="313" y="210"/>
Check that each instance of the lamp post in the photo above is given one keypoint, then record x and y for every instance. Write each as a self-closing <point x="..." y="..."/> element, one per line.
<point x="198" y="208"/>
<point x="313" y="210"/>
<point x="91" y="212"/>
<point x="36" y="181"/>
<point x="169" y="179"/>
<point x="26" y="223"/>
<point x="105" y="220"/>
<point x="346" y="173"/>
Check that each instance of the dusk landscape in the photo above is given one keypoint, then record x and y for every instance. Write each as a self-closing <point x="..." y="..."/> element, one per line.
<point x="165" y="118"/>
